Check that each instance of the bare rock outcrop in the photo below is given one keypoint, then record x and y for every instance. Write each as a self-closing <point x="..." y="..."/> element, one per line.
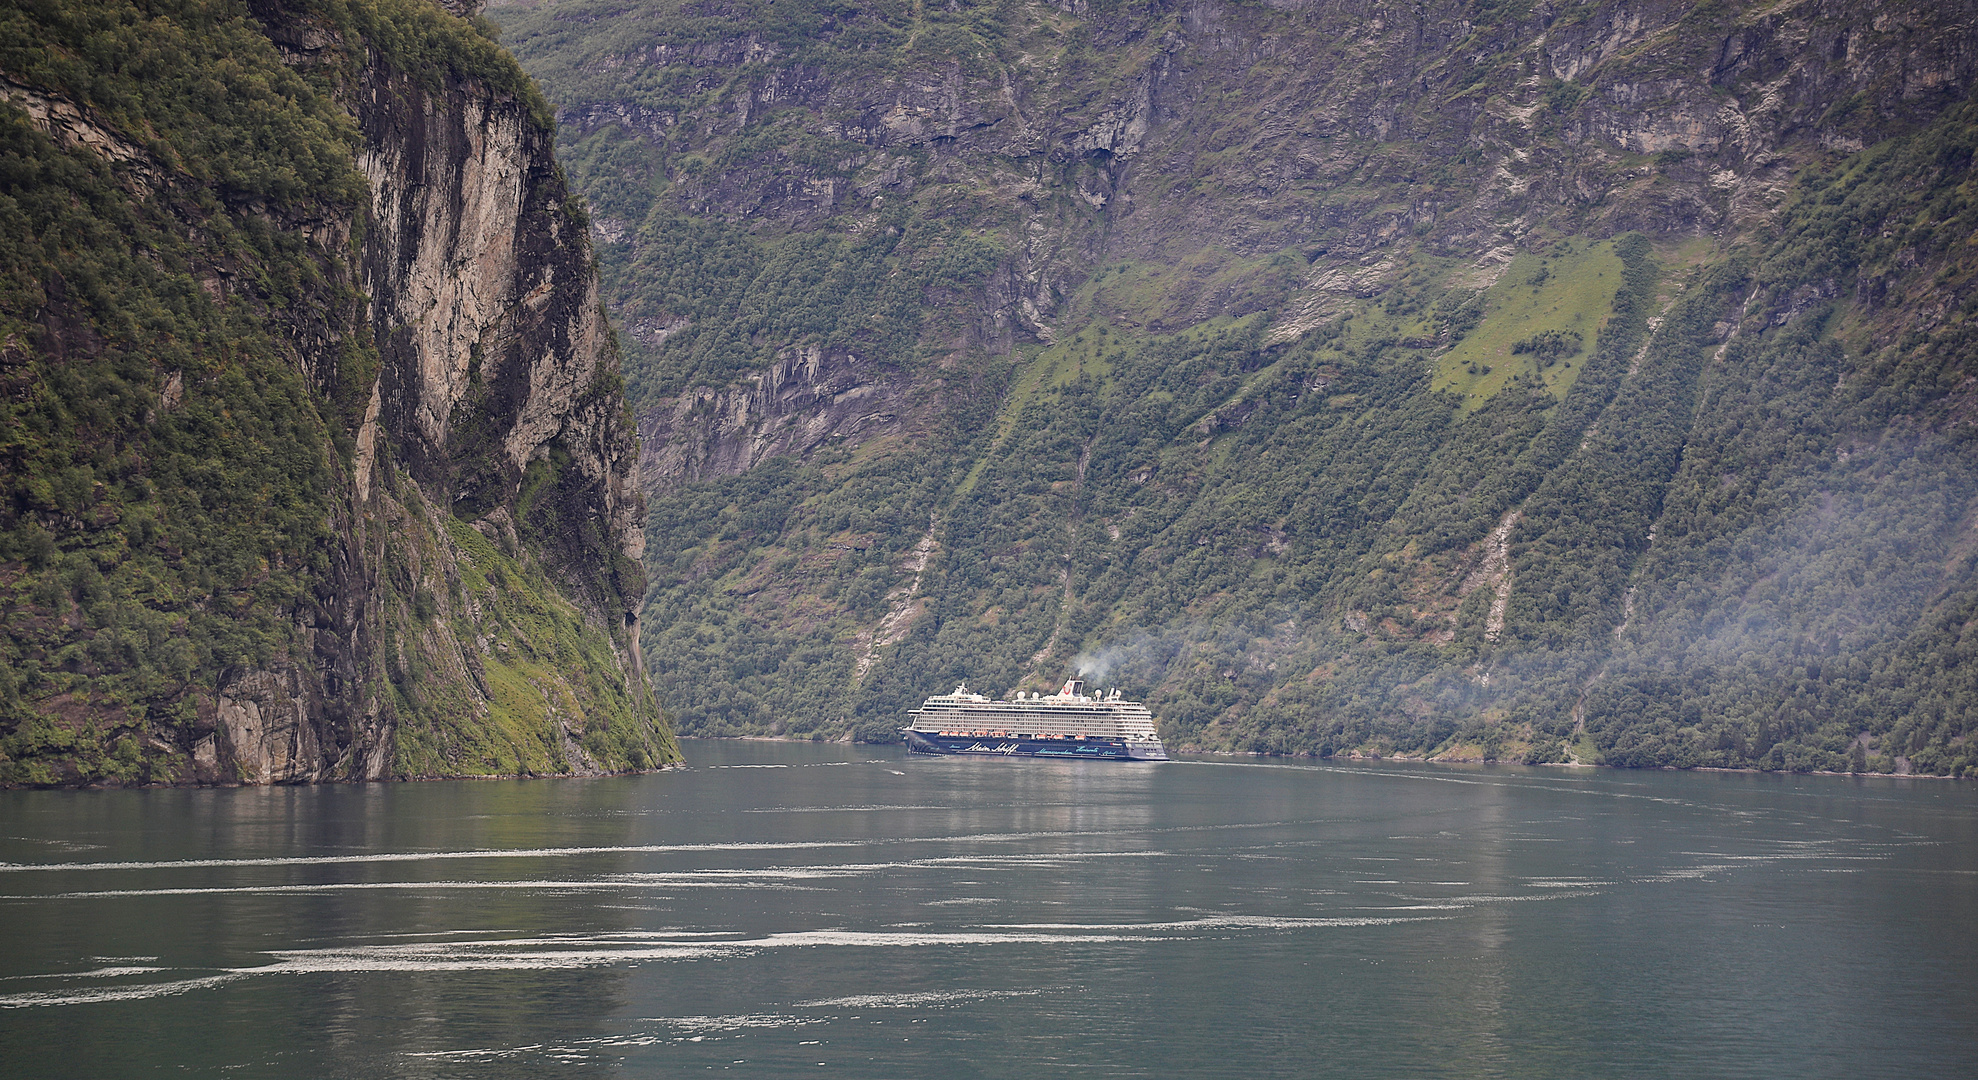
<point x="464" y="599"/>
<point x="809" y="398"/>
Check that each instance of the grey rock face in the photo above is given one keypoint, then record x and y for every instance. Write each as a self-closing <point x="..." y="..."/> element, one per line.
<point x="494" y="354"/>
<point x="265" y="733"/>
<point x="1338" y="129"/>
<point x="809" y="398"/>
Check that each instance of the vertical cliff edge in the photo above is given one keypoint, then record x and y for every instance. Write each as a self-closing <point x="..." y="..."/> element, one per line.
<point x="315" y="463"/>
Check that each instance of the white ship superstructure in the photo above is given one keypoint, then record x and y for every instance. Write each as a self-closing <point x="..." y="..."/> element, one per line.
<point x="1065" y="724"/>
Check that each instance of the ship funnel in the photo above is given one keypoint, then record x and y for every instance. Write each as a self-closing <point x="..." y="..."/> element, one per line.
<point x="1072" y="688"/>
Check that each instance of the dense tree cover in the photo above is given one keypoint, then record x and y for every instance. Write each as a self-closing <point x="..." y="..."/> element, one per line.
<point x="1725" y="552"/>
<point x="165" y="474"/>
<point x="173" y="464"/>
<point x="1812" y="580"/>
<point x="1715" y="512"/>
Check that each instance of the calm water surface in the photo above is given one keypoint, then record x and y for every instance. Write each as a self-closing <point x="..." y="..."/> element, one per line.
<point x="783" y="909"/>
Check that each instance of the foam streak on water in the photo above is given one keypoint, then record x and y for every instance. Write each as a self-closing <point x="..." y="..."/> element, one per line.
<point x="786" y="908"/>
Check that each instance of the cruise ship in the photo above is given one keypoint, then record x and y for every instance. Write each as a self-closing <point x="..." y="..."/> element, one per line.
<point x="1067" y="724"/>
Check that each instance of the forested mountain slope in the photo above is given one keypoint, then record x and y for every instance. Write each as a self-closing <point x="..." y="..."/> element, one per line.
<point x="314" y="460"/>
<point x="1490" y="379"/>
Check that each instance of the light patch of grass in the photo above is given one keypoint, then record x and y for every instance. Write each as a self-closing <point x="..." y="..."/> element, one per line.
<point x="1576" y="283"/>
<point x="1129" y="294"/>
<point x="516" y="740"/>
<point x="1090" y="350"/>
<point x="1039" y="369"/>
<point x="545" y="670"/>
<point x="1208" y="328"/>
<point x="1695" y="251"/>
<point x="1129" y="288"/>
<point x="873" y="449"/>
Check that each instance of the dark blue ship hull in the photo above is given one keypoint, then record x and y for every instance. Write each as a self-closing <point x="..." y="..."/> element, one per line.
<point x="924" y="742"/>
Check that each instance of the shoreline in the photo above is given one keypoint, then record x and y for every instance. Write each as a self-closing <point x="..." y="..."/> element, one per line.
<point x="1357" y="756"/>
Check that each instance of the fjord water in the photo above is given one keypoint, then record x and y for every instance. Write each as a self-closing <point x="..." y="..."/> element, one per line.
<point x="781" y="909"/>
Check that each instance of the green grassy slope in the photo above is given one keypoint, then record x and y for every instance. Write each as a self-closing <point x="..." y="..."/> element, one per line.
<point x="185" y="364"/>
<point x="1399" y="398"/>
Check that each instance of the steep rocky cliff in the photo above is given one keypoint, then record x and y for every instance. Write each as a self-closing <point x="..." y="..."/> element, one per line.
<point x="361" y="504"/>
<point x="1469" y="379"/>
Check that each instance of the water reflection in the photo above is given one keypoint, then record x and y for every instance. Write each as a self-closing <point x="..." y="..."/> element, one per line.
<point x="780" y="905"/>
<point x="178" y="959"/>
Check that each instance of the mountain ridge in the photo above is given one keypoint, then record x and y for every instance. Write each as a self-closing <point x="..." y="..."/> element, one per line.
<point x="1255" y="345"/>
